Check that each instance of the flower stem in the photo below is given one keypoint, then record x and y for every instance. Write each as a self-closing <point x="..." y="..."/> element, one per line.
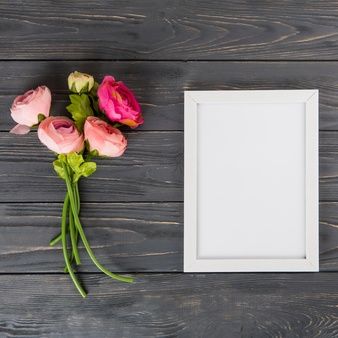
<point x="83" y="236"/>
<point x="78" y="204"/>
<point x="77" y="195"/>
<point x="64" y="247"/>
<point x="73" y="230"/>
<point x="55" y="240"/>
<point x="75" y="252"/>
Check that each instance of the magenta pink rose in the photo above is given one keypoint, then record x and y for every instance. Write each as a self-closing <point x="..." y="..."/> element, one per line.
<point x="26" y="108"/>
<point x="118" y="103"/>
<point x="101" y="136"/>
<point x="60" y="135"/>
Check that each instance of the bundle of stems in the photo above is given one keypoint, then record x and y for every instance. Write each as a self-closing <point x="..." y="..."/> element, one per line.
<point x="71" y="228"/>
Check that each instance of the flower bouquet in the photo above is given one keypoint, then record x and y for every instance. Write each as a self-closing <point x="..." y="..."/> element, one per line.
<point x="96" y="113"/>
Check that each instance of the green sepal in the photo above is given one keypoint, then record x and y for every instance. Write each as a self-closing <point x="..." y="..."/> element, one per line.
<point x="73" y="89"/>
<point x="41" y="117"/>
<point x="80" y="108"/>
<point x="94" y="153"/>
<point x="90" y="153"/>
<point x="85" y="88"/>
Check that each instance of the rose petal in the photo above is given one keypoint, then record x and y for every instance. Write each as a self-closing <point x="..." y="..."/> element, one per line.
<point x="20" y="129"/>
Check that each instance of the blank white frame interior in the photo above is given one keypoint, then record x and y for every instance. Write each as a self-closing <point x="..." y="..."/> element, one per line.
<point x="251" y="181"/>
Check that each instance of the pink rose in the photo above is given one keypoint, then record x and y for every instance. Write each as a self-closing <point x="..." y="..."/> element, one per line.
<point x="119" y="103"/>
<point x="27" y="107"/>
<point x="101" y="136"/>
<point x="60" y="135"/>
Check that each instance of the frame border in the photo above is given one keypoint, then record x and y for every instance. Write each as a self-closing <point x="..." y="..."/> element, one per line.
<point x="311" y="261"/>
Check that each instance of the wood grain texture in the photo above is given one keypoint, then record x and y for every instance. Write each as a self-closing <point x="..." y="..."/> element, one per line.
<point x="328" y="240"/>
<point x="133" y="210"/>
<point x="159" y="86"/>
<point x="328" y="166"/>
<point x="182" y="30"/>
<point x="126" y="237"/>
<point x="150" y="171"/>
<point x="171" y="305"/>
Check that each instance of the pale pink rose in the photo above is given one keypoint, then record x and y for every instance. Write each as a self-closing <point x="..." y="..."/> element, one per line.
<point x="101" y="136"/>
<point x="60" y="135"/>
<point x="118" y="102"/>
<point x="27" y="107"/>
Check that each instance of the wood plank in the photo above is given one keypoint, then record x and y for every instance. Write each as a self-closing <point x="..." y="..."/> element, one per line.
<point x="171" y="305"/>
<point x="328" y="236"/>
<point x="153" y="29"/>
<point x="151" y="170"/>
<point x="125" y="236"/>
<point x="159" y="86"/>
<point x="328" y="166"/>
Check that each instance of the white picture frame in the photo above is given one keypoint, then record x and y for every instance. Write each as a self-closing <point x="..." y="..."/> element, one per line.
<point x="231" y="226"/>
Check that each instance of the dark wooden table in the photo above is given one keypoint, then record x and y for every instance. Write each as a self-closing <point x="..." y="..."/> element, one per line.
<point x="133" y="206"/>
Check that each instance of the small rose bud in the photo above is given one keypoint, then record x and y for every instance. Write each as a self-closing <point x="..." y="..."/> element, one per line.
<point x="80" y="82"/>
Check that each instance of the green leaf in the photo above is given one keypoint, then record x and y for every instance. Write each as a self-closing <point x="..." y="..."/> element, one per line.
<point x="74" y="160"/>
<point x="80" y="108"/>
<point x="57" y="164"/>
<point x="86" y="169"/>
<point x="78" y="165"/>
